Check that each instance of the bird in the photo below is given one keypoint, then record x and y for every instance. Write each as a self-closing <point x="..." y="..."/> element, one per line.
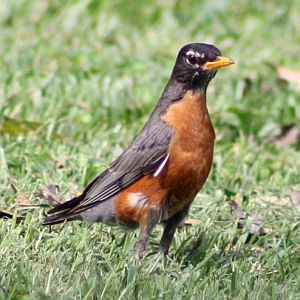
<point x="156" y="179"/>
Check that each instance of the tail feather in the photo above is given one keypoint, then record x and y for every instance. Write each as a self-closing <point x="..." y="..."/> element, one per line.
<point x="64" y="212"/>
<point x="67" y="205"/>
<point x="60" y="218"/>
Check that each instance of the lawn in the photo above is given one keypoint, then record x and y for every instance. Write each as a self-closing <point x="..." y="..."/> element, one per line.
<point x="79" y="78"/>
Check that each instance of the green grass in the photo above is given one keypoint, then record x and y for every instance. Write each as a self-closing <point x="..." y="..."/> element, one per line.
<point x="90" y="72"/>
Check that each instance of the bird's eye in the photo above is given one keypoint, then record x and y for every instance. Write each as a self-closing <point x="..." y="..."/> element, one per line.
<point x="191" y="58"/>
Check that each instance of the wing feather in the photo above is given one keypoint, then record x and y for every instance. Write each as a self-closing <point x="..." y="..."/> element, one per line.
<point x="143" y="156"/>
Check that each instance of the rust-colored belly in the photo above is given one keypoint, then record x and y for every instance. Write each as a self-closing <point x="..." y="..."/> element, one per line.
<point x="188" y="166"/>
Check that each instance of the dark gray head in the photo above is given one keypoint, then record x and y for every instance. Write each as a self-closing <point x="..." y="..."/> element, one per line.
<point x="197" y="64"/>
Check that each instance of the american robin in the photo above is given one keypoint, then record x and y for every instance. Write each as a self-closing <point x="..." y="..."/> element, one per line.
<point x="158" y="176"/>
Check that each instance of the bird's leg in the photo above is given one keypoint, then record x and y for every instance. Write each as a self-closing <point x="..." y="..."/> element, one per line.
<point x="147" y="223"/>
<point x="170" y="228"/>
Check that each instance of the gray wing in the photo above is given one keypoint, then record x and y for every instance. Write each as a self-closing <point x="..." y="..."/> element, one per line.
<point x="143" y="156"/>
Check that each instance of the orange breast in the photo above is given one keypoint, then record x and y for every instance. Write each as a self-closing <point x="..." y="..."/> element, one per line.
<point x="190" y="160"/>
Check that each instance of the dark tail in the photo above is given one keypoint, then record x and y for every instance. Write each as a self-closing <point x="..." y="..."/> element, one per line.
<point x="64" y="212"/>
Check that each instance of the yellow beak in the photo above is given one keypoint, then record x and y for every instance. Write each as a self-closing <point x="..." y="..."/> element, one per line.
<point x="219" y="62"/>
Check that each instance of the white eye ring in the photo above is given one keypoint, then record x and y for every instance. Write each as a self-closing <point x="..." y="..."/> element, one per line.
<point x="192" y="55"/>
<point x="197" y="54"/>
<point x="191" y="52"/>
<point x="191" y="58"/>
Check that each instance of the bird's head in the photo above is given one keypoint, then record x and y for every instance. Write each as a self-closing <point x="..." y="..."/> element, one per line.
<point x="197" y="64"/>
